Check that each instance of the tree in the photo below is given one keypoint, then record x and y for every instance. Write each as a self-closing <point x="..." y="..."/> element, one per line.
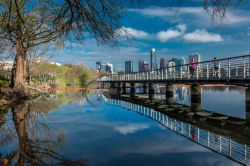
<point x="28" y="24"/>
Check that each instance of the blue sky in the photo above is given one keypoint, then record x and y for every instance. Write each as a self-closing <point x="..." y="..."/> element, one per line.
<point x="174" y="32"/>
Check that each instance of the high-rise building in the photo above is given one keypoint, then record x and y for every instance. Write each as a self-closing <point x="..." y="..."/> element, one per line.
<point x="146" y="66"/>
<point x="163" y="63"/>
<point x="175" y="64"/>
<point x="109" y="68"/>
<point x="103" y="68"/>
<point x="153" y="63"/>
<point x="128" y="66"/>
<point x="106" y="68"/>
<point x="140" y="66"/>
<point x="98" y="66"/>
<point x="143" y="66"/>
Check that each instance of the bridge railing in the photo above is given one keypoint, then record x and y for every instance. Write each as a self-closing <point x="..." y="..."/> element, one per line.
<point x="219" y="69"/>
<point x="215" y="142"/>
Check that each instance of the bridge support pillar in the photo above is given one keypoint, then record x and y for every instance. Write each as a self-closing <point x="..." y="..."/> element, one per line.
<point x="145" y="88"/>
<point x="102" y="85"/>
<point x="169" y="94"/>
<point x="132" y="89"/>
<point x="119" y="88"/>
<point x="151" y="91"/>
<point x="124" y="88"/>
<point x="112" y="88"/>
<point x="247" y="100"/>
<point x="195" y="97"/>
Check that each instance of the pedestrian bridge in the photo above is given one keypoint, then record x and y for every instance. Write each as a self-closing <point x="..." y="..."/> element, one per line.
<point x="233" y="70"/>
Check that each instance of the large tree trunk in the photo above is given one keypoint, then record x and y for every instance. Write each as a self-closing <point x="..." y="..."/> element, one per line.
<point x="20" y="62"/>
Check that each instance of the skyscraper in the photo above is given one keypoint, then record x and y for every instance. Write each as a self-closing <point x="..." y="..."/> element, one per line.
<point x="140" y="66"/>
<point x="146" y="66"/>
<point x="128" y="66"/>
<point x="163" y="63"/>
<point x="143" y="66"/>
<point x="109" y="68"/>
<point x="153" y="63"/>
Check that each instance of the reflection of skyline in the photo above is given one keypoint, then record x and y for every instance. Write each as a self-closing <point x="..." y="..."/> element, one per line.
<point x="181" y="94"/>
<point x="215" y="142"/>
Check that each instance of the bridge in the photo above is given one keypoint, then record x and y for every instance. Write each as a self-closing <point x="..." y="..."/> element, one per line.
<point x="228" y="71"/>
<point x="234" y="70"/>
<point x="220" y="144"/>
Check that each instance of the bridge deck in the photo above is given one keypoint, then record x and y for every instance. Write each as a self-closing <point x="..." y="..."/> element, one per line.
<point x="235" y="70"/>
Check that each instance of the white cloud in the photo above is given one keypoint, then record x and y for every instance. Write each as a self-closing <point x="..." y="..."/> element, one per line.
<point x="164" y="36"/>
<point x="169" y="34"/>
<point x="181" y="27"/>
<point x="131" y="128"/>
<point x="201" y="35"/>
<point x="196" y="14"/>
<point x="167" y="11"/>
<point x="131" y="32"/>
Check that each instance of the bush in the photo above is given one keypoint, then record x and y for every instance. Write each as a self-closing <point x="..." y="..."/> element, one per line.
<point x="3" y="83"/>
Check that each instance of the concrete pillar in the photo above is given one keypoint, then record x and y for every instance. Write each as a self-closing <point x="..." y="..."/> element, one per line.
<point x="151" y="91"/>
<point x="132" y="89"/>
<point x="102" y="85"/>
<point x="119" y="88"/>
<point x="247" y="100"/>
<point x="195" y="97"/>
<point x="124" y="88"/>
<point x="145" y="88"/>
<point x="169" y="94"/>
<point x="112" y="88"/>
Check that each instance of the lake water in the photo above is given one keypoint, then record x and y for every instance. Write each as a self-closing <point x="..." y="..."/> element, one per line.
<point x="68" y="129"/>
<point x="228" y="100"/>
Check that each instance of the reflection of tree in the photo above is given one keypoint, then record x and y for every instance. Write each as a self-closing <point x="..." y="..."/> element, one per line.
<point x="37" y="143"/>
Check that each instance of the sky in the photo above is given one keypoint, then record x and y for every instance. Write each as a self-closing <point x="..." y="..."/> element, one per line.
<point x="174" y="32"/>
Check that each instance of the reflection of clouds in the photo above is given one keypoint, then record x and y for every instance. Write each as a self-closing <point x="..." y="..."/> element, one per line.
<point x="160" y="144"/>
<point x="131" y="128"/>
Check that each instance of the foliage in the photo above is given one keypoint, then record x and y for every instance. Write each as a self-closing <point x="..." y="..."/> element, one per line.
<point x="4" y="81"/>
<point x="47" y="74"/>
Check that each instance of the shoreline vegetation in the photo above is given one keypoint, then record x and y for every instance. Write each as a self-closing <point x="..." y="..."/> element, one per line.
<point x="44" y="75"/>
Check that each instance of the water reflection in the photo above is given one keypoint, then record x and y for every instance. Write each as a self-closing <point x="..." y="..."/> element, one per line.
<point x="220" y="144"/>
<point x="227" y="100"/>
<point x="38" y="143"/>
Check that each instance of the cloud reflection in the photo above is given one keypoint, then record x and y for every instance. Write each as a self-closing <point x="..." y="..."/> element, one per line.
<point x="131" y="128"/>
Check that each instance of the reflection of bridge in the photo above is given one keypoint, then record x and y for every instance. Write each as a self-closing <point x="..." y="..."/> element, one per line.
<point x="234" y="71"/>
<point x="220" y="144"/>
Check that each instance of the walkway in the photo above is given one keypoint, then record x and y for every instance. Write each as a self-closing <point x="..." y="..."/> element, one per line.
<point x="234" y="70"/>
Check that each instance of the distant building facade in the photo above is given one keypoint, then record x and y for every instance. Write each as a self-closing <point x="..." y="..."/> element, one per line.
<point x="163" y="63"/>
<point x="153" y="62"/>
<point x="143" y="66"/>
<point x="98" y="66"/>
<point x="128" y="66"/>
<point x="105" y="68"/>
<point x="174" y="64"/>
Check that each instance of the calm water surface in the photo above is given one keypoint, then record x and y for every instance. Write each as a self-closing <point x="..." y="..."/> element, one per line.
<point x="63" y="129"/>
<point x="228" y="100"/>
